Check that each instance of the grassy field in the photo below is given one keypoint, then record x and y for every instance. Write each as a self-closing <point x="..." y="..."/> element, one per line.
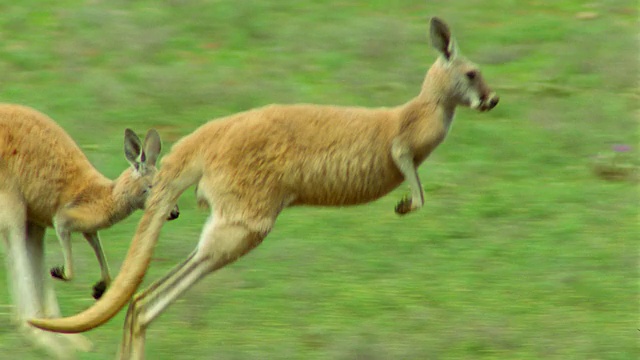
<point x="526" y="248"/>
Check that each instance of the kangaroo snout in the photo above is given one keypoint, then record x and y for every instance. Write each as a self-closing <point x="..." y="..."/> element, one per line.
<point x="489" y="102"/>
<point x="175" y="213"/>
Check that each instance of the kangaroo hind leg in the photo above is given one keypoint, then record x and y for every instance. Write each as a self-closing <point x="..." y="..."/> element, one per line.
<point x="21" y="267"/>
<point x="220" y="244"/>
<point x="26" y="277"/>
<point x="48" y="298"/>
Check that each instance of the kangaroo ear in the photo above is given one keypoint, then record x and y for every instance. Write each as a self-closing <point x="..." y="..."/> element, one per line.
<point x="441" y="39"/>
<point x="152" y="146"/>
<point x="132" y="147"/>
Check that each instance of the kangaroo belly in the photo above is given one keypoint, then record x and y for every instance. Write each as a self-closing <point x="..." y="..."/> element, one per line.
<point x="41" y="204"/>
<point x="345" y="183"/>
<point x="36" y="197"/>
<point x="354" y="194"/>
<point x="42" y="195"/>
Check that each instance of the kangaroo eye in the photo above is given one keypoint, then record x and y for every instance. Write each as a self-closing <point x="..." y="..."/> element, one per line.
<point x="471" y="74"/>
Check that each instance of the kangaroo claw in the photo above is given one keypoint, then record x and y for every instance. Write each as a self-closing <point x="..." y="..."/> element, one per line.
<point x="58" y="273"/>
<point x="404" y="206"/>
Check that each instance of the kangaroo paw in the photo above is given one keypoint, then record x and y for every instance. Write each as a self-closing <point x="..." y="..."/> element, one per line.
<point x="58" y="273"/>
<point x="404" y="206"/>
<point x="98" y="289"/>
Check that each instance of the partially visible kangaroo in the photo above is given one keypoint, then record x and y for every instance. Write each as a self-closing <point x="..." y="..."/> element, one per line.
<point x="250" y="166"/>
<point x="47" y="181"/>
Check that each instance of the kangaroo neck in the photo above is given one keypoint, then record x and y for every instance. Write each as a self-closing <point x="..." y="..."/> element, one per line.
<point x="110" y="202"/>
<point x="424" y="123"/>
<point x="119" y="201"/>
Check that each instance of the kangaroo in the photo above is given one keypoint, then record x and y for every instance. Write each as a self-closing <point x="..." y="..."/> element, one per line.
<point x="46" y="181"/>
<point x="250" y="166"/>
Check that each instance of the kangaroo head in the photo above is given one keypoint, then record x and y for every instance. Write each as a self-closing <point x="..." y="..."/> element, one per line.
<point x="139" y="177"/>
<point x="457" y="79"/>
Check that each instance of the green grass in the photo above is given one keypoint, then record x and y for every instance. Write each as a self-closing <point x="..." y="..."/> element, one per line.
<point x="521" y="251"/>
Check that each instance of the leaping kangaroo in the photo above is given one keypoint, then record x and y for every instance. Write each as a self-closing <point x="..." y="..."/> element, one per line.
<point x="250" y="166"/>
<point x="46" y="181"/>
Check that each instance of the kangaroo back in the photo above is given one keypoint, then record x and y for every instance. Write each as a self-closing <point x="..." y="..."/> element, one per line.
<point x="34" y="147"/>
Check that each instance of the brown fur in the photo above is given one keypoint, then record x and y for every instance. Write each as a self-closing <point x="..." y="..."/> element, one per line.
<point x="250" y="166"/>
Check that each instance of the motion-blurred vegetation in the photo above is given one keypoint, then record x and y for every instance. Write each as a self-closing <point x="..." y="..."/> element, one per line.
<point x="524" y="250"/>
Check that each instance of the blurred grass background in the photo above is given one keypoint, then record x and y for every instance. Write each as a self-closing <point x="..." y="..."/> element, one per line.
<point x="524" y="250"/>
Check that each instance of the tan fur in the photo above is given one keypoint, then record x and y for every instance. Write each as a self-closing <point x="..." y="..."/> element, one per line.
<point x="250" y="166"/>
<point x="47" y="181"/>
<point x="53" y="173"/>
